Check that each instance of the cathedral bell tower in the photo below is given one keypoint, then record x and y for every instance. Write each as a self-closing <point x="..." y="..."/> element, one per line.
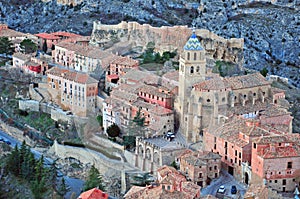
<point x="192" y="69"/>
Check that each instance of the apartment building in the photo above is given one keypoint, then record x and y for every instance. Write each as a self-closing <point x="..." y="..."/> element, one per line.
<point x="72" y="90"/>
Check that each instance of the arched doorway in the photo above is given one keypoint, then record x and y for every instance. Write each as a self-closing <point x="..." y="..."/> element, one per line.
<point x="246" y="178"/>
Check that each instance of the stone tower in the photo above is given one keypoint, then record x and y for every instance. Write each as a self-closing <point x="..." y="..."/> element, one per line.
<point x="192" y="69"/>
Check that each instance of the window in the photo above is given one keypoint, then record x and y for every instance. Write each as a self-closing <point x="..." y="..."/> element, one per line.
<point x="284" y="182"/>
<point x="275" y="181"/>
<point x="200" y="175"/>
<point x="216" y="167"/>
<point x="198" y="69"/>
<point x="210" y="168"/>
<point x="216" y="175"/>
<point x="254" y="145"/>
<point x="240" y="155"/>
<point x="225" y="144"/>
<point x="289" y="165"/>
<point x="192" y="69"/>
<point x="195" y="56"/>
<point x="235" y="152"/>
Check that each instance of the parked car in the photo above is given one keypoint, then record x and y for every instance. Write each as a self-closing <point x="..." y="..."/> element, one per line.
<point x="233" y="189"/>
<point x="170" y="135"/>
<point x="222" y="189"/>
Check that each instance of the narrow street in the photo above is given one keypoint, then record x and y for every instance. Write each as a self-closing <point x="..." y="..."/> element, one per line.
<point x="227" y="180"/>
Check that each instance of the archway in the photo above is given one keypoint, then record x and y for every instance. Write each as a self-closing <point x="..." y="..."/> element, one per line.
<point x="246" y="178"/>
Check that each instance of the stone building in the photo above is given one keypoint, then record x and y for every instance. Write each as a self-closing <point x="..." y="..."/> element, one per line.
<point x="118" y="68"/>
<point x="206" y="99"/>
<point x="200" y="167"/>
<point x="82" y="58"/>
<point x="72" y="90"/>
<point x="171" y="184"/>
<point x="152" y="153"/>
<point x="276" y="161"/>
<point x="29" y="64"/>
<point x="140" y="91"/>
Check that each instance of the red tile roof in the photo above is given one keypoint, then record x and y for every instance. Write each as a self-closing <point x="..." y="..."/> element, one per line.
<point x="215" y="83"/>
<point x="246" y="81"/>
<point x="47" y="36"/>
<point x="65" y="34"/>
<point x="93" y="194"/>
<point x="78" y="77"/>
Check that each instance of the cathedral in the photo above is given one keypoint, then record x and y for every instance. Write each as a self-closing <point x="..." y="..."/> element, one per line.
<point x="206" y="99"/>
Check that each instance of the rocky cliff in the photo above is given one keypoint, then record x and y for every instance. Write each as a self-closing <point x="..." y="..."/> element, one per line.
<point x="130" y="35"/>
<point x="270" y="27"/>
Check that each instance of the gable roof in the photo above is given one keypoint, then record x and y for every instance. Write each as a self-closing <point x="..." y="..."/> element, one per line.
<point x="246" y="81"/>
<point x="93" y="194"/>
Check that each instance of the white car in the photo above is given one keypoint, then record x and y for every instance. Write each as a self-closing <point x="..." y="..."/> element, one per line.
<point x="221" y="189"/>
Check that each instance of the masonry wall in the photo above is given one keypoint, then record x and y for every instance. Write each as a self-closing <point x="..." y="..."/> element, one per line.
<point x="102" y="163"/>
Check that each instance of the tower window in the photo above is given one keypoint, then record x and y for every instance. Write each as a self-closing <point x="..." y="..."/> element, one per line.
<point x="188" y="56"/>
<point x="192" y="69"/>
<point x="195" y="56"/>
<point x="198" y="69"/>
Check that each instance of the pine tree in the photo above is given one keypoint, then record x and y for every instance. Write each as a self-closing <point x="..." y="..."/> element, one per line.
<point x="94" y="180"/>
<point x="6" y="46"/>
<point x="52" y="175"/>
<point x="13" y="163"/>
<point x="63" y="188"/>
<point x="45" y="47"/>
<point x="28" y="46"/>
<point x="39" y="183"/>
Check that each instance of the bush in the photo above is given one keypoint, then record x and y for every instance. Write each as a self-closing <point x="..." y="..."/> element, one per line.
<point x="113" y="131"/>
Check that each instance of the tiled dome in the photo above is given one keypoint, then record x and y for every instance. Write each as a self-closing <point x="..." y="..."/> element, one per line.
<point x="193" y="43"/>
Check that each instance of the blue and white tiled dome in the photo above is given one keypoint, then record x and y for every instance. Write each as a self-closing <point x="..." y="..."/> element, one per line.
<point x="193" y="43"/>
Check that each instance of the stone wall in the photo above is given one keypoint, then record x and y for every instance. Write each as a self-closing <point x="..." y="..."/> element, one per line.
<point x="16" y="133"/>
<point x="167" y="39"/>
<point x="105" y="165"/>
<point x="27" y="105"/>
<point x="34" y="94"/>
<point x="56" y="113"/>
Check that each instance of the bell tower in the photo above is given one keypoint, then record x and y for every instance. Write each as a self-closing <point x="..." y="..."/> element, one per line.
<point x="192" y="69"/>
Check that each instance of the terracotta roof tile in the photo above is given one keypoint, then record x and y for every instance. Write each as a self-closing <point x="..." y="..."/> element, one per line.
<point x="93" y="194"/>
<point x="246" y="81"/>
<point x="215" y="83"/>
<point x="72" y="75"/>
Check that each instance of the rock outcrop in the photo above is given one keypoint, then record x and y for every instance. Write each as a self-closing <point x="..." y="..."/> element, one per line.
<point x="166" y="38"/>
<point x="270" y="27"/>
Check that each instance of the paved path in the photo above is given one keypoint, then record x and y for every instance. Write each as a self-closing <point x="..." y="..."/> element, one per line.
<point x="227" y="180"/>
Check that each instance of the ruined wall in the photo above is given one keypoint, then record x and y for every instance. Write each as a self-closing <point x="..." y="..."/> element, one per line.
<point x="166" y="39"/>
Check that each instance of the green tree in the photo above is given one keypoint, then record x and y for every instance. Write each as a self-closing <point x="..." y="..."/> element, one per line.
<point x="113" y="130"/>
<point x="264" y="71"/>
<point x="94" y="180"/>
<point x="28" y="46"/>
<point x="13" y="164"/>
<point x="38" y="185"/>
<point x="63" y="188"/>
<point x="6" y="46"/>
<point x="135" y="128"/>
<point x="45" y="47"/>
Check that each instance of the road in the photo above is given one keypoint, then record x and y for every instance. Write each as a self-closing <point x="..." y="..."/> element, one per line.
<point x="227" y="180"/>
<point x="74" y="184"/>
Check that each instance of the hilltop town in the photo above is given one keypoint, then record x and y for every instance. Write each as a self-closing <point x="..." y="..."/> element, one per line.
<point x="168" y="112"/>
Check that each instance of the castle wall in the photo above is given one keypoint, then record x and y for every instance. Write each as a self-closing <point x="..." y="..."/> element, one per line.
<point x="169" y="38"/>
